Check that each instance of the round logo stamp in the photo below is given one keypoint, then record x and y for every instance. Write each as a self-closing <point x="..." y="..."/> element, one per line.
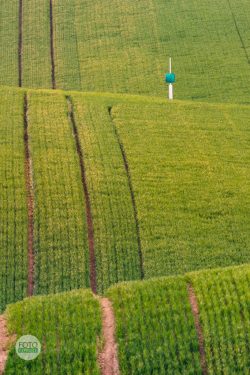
<point x="28" y="347"/>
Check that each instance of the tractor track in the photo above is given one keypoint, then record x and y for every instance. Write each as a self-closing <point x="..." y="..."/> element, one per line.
<point x="30" y="201"/>
<point x="52" y="53"/>
<point x="108" y="358"/>
<point x="195" y="311"/>
<point x="20" y="42"/>
<point x="5" y="341"/>
<point x="238" y="32"/>
<point x="126" y="166"/>
<point x="92" y="258"/>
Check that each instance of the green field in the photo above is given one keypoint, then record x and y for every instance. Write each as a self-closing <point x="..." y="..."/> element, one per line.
<point x="67" y="325"/>
<point x="155" y="326"/>
<point x="194" y="170"/>
<point x="124" y="217"/>
<point x="123" y="47"/>
<point x="13" y="208"/>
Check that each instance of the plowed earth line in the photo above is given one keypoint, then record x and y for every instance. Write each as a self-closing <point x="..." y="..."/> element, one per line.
<point x="126" y="165"/>
<point x="108" y="359"/>
<point x="90" y="225"/>
<point x="30" y="201"/>
<point x="20" y="42"/>
<point x="52" y="54"/>
<point x="195" y="310"/>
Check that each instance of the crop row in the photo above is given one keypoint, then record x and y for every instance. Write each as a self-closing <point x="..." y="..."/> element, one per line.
<point x="67" y="325"/>
<point x="13" y="207"/>
<point x="61" y="249"/>
<point x="224" y="298"/>
<point x="116" y="247"/>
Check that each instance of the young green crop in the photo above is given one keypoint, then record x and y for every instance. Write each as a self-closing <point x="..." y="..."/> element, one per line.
<point x="68" y="326"/>
<point x="36" y="61"/>
<point x="60" y="229"/>
<point x="155" y="328"/>
<point x="123" y="46"/>
<point x="9" y="42"/>
<point x="223" y="297"/>
<point x="13" y="207"/>
<point x="115" y="239"/>
<point x="189" y="170"/>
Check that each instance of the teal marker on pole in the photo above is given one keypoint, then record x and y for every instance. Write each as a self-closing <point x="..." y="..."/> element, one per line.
<point x="170" y="79"/>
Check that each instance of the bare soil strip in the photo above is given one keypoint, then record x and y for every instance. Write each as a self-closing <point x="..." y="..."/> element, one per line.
<point x="20" y="42"/>
<point x="5" y="341"/>
<point x="195" y="310"/>
<point x="52" y="54"/>
<point x="30" y="201"/>
<point x="108" y="359"/>
<point x="126" y="165"/>
<point x="238" y="32"/>
<point x="87" y="198"/>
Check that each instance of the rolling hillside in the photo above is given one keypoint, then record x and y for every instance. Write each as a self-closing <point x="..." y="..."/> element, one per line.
<point x="156" y="329"/>
<point x="123" y="46"/>
<point x="124" y="217"/>
<point x="176" y="204"/>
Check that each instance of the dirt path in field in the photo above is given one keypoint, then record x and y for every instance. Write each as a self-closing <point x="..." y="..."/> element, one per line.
<point x="52" y="54"/>
<point x="108" y="359"/>
<point x="90" y="225"/>
<point x="20" y="42"/>
<point x="126" y="165"/>
<point x="5" y="340"/>
<point x="195" y="310"/>
<point x="30" y="201"/>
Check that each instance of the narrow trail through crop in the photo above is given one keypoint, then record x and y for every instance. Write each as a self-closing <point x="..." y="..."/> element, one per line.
<point x="30" y="201"/>
<point x="5" y="340"/>
<point x="108" y="358"/>
<point x="195" y="310"/>
<point x="90" y="225"/>
<point x="238" y="31"/>
<point x="126" y="165"/>
<point x="20" y="43"/>
<point x="52" y="54"/>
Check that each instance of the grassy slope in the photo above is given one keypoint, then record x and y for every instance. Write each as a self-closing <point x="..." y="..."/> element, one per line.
<point x="123" y="46"/>
<point x="13" y="209"/>
<point x="155" y="327"/>
<point x="68" y="326"/>
<point x="190" y="183"/>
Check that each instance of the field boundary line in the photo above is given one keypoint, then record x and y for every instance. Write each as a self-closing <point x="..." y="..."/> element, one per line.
<point x="90" y="225"/>
<point x="20" y="43"/>
<point x="195" y="311"/>
<point x="238" y="31"/>
<point x="52" y="54"/>
<point x="132" y="194"/>
<point x="108" y="358"/>
<point x="30" y="200"/>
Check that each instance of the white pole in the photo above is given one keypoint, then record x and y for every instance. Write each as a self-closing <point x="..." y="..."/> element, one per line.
<point x="171" y="91"/>
<point x="170" y="87"/>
